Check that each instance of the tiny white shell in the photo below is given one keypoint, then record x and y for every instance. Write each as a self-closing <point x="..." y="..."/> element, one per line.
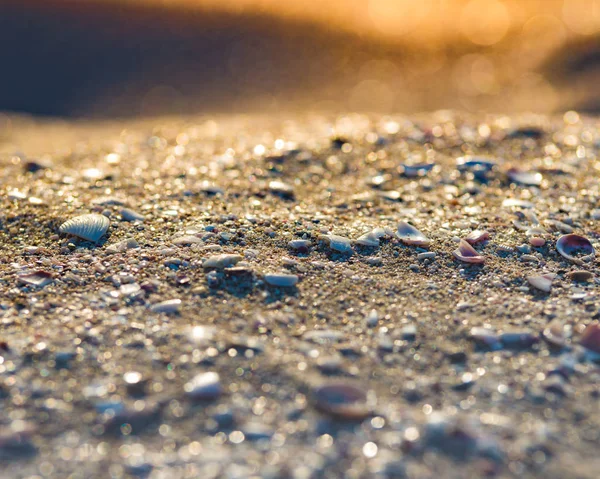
<point x="466" y="253"/>
<point x="542" y="282"/>
<point x="408" y="234"/>
<point x="371" y="238"/>
<point x="89" y="227"/>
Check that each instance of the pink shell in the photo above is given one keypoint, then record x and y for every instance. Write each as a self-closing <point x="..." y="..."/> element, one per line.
<point x="477" y="236"/>
<point x="467" y="254"/>
<point x="591" y="337"/>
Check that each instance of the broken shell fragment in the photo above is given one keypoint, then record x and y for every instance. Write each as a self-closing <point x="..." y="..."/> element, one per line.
<point x="526" y="178"/>
<point x="408" y="234"/>
<point x="36" y="278"/>
<point x="344" y="401"/>
<point x="221" y="261"/>
<point x="122" y="246"/>
<point x="89" y="227"/>
<point x="570" y="245"/>
<point x="466" y="253"/>
<point x="371" y="238"/>
<point x="477" y="236"/>
<point x="339" y="243"/>
<point x="542" y="282"/>
<point x="581" y="276"/>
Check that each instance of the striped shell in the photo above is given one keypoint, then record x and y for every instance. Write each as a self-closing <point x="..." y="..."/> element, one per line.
<point x="88" y="227"/>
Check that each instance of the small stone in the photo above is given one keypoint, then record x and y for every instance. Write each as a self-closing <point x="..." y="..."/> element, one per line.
<point x="168" y="307"/>
<point x="221" y="261"/>
<point x="281" y="280"/>
<point x="372" y="318"/>
<point x="344" y="401"/>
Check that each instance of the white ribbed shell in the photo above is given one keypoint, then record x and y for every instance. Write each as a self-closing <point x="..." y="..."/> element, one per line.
<point x="89" y="227"/>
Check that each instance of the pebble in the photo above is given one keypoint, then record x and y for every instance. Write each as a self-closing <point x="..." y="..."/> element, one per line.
<point x="221" y="261"/>
<point x="344" y="400"/>
<point x="323" y="336"/>
<point x="168" y="307"/>
<point x="281" y="280"/>
<point x="300" y="245"/>
<point x="204" y="386"/>
<point x="427" y="255"/>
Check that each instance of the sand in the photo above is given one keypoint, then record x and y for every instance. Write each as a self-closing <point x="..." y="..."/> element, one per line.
<point x="368" y="366"/>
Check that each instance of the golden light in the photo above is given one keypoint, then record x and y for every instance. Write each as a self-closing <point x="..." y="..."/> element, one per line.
<point x="582" y="16"/>
<point x="488" y="28"/>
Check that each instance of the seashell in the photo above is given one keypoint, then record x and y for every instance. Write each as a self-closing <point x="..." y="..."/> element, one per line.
<point x="281" y="280"/>
<point x="89" y="227"/>
<point x="130" y="215"/>
<point x="590" y="338"/>
<point x="571" y="244"/>
<point x="371" y="238"/>
<point x="486" y="337"/>
<point x="536" y="231"/>
<point x="344" y="400"/>
<point x="477" y="236"/>
<point x="479" y="167"/>
<point x="168" y="307"/>
<point x="526" y="178"/>
<point x="514" y="203"/>
<point x="408" y="234"/>
<point x="300" y="245"/>
<point x="339" y="243"/>
<point x="412" y="171"/>
<point x="221" y="261"/>
<point x="204" y="386"/>
<point x="186" y="240"/>
<point x="542" y="282"/>
<point x="122" y="246"/>
<point x="581" y="276"/>
<point x="467" y="254"/>
<point x="560" y="226"/>
<point x="281" y="189"/>
<point x="556" y="333"/>
<point x="36" y="278"/>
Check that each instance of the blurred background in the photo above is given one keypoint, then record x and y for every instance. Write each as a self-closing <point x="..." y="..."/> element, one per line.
<point x="128" y="58"/>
